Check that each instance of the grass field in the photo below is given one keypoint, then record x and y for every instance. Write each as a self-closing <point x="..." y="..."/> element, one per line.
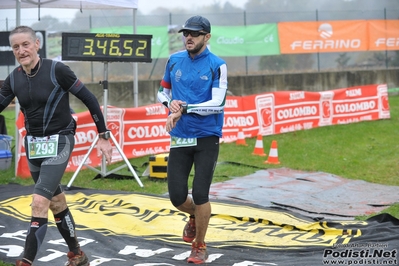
<point x="366" y="151"/>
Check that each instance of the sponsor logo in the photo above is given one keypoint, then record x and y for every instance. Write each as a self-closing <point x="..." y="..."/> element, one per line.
<point x="152" y="150"/>
<point x="34" y="224"/>
<point x="231" y="104"/>
<point x="239" y="40"/>
<point x="155" y="110"/>
<point x="147" y="131"/>
<point x="355" y="107"/>
<point x="354" y="93"/>
<point x="328" y="44"/>
<point x="77" y="160"/>
<point x="84" y="137"/>
<point x="238" y="121"/>
<point x="62" y="155"/>
<point x="157" y="41"/>
<point x="360" y="254"/>
<point x="325" y="31"/>
<point x="296" y="112"/>
<point x="178" y="75"/>
<point x="389" y="42"/>
<point x="69" y="223"/>
<point x="297" y="95"/>
<point x="110" y="35"/>
<point x="234" y="40"/>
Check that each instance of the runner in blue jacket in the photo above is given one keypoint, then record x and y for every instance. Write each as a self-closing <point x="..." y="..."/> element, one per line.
<point x="194" y="88"/>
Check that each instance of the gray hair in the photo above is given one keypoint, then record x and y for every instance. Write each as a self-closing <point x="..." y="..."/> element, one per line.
<point x="24" y="29"/>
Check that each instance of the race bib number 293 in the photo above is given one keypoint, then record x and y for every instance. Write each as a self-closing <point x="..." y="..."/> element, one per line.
<point x="42" y="147"/>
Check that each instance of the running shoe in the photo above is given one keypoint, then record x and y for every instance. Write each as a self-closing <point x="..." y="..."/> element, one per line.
<point x="189" y="230"/>
<point x="21" y="263"/>
<point x="77" y="260"/>
<point x="198" y="254"/>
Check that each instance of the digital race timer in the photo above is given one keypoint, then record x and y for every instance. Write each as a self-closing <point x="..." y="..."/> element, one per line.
<point x="109" y="47"/>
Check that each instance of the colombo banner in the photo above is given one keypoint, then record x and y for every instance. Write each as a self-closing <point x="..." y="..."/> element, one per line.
<point x="141" y="131"/>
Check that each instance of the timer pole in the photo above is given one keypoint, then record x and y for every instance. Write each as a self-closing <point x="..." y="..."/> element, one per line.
<point x="103" y="171"/>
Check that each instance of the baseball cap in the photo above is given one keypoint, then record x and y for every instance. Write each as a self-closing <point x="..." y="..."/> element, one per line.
<point x="197" y="23"/>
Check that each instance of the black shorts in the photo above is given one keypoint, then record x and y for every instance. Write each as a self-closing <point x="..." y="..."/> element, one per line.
<point x="47" y="172"/>
<point x="204" y="157"/>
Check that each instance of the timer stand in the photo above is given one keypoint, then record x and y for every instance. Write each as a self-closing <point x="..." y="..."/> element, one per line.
<point x="104" y="47"/>
<point x="103" y="171"/>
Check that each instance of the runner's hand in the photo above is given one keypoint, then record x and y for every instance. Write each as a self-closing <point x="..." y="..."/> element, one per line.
<point x="175" y="106"/>
<point x="172" y="120"/>
<point x="104" y="147"/>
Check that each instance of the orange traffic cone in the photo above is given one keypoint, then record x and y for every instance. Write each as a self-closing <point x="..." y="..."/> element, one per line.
<point x="241" y="138"/>
<point x="273" y="154"/>
<point x="259" y="146"/>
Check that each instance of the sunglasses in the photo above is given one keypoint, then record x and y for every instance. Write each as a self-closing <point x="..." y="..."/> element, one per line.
<point x="193" y="33"/>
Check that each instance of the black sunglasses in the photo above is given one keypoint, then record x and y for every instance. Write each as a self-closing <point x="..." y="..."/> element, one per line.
<point x="193" y="33"/>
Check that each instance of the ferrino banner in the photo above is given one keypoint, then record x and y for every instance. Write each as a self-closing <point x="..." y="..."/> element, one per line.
<point x="141" y="131"/>
<point x="338" y="36"/>
<point x="383" y="34"/>
<point x="316" y="37"/>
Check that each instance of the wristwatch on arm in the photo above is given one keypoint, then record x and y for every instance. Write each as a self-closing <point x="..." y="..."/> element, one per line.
<point x="184" y="106"/>
<point x="105" y="135"/>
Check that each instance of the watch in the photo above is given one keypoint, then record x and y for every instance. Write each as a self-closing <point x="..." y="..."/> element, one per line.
<point x="184" y="105"/>
<point x="106" y="135"/>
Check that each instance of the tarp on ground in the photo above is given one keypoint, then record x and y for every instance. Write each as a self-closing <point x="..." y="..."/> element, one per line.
<point x="314" y="194"/>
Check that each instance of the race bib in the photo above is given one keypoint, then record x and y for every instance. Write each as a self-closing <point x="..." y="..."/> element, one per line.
<point x="42" y="147"/>
<point x="176" y="142"/>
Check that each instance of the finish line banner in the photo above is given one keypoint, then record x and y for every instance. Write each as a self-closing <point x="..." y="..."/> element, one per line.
<point x="141" y="131"/>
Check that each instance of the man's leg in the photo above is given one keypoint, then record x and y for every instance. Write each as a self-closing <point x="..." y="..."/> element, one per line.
<point x="202" y="216"/>
<point x="37" y="229"/>
<point x="205" y="161"/>
<point x="207" y="152"/>
<point x="188" y="206"/>
<point x="65" y="222"/>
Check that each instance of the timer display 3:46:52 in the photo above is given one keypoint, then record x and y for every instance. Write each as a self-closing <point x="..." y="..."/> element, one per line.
<point x="106" y="47"/>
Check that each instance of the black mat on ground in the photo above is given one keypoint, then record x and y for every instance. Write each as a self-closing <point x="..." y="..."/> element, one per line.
<point x="120" y="228"/>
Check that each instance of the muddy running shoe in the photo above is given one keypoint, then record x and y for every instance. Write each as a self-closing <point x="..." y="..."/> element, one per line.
<point x="77" y="260"/>
<point x="189" y="230"/>
<point x="21" y="263"/>
<point x="198" y="254"/>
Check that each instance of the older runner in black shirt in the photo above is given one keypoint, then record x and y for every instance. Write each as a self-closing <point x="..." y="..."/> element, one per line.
<point x="42" y="88"/>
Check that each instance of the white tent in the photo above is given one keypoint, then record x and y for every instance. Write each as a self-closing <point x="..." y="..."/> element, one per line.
<point x="84" y="4"/>
<point x="77" y="4"/>
<point x="80" y="5"/>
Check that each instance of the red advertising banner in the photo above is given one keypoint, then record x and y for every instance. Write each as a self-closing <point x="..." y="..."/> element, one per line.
<point x="141" y="131"/>
<point x="383" y="34"/>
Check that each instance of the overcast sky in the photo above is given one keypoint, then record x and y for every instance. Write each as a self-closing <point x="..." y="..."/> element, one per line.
<point x="145" y="6"/>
